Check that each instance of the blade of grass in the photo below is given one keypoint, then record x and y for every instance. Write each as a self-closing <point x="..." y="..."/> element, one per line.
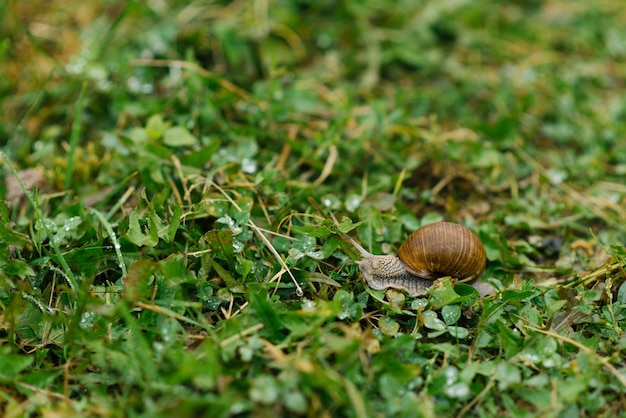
<point x="13" y="143"/>
<point x="75" y="135"/>
<point x="143" y="353"/>
<point x="122" y="199"/>
<point x="167" y="312"/>
<point x="110" y="33"/>
<point x="116" y="244"/>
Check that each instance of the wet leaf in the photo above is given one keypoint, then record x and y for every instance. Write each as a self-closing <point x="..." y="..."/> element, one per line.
<point x="388" y="326"/>
<point x="451" y="314"/>
<point x="431" y="321"/>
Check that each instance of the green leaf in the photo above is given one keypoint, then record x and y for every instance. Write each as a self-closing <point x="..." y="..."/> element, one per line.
<point x="295" y="402"/>
<point x="451" y="314"/>
<point x="264" y="390"/>
<point x="265" y="312"/>
<point x="516" y="294"/>
<point x="432" y="322"/>
<point x="41" y="379"/>
<point x="347" y="225"/>
<point x="137" y="283"/>
<point x="135" y="231"/>
<point x="138" y="135"/>
<point x="569" y="390"/>
<point x="17" y="268"/>
<point x="160" y="152"/>
<point x="32" y="323"/>
<point x="388" y="326"/>
<point x="458" y="332"/>
<point x="443" y="294"/>
<point x="468" y="294"/>
<point x="13" y="364"/>
<point x="510" y="341"/>
<point x="168" y="233"/>
<point x="507" y="374"/>
<point x="371" y="227"/>
<point x="220" y="242"/>
<point x="245" y="267"/>
<point x="174" y="268"/>
<point x="155" y="127"/>
<point x="281" y="243"/>
<point x="199" y="158"/>
<point x="8" y="236"/>
<point x="177" y="136"/>
<point x="86" y="259"/>
<point x="621" y="294"/>
<point x="208" y="369"/>
<point x="225" y="275"/>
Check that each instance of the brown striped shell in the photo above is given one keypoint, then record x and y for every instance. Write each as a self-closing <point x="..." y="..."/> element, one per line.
<point x="443" y="249"/>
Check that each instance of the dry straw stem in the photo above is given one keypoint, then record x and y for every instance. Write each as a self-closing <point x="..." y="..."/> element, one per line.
<point x="47" y="393"/>
<point x="328" y="166"/>
<point x="604" y="271"/>
<point x="166" y="312"/>
<point x="612" y="270"/>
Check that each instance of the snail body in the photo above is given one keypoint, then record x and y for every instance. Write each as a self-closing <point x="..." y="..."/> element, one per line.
<point x="436" y="250"/>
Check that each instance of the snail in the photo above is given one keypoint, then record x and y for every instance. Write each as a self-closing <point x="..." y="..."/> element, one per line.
<point x="433" y="251"/>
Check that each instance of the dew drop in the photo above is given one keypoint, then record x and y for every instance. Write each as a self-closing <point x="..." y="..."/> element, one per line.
<point x="316" y="255"/>
<point x="238" y="246"/>
<point x="87" y="320"/>
<point x="451" y="374"/>
<point x="295" y="253"/>
<point x="248" y="166"/>
<point x="458" y="390"/>
<point x="308" y="305"/>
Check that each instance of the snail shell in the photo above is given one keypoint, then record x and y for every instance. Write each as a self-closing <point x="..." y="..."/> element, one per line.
<point x="436" y="250"/>
<point x="443" y="249"/>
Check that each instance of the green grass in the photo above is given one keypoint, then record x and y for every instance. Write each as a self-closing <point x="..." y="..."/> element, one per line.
<point x="173" y="251"/>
